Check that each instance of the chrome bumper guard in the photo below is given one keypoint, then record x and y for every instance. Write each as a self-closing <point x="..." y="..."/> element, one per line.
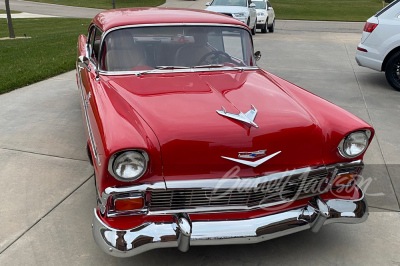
<point x="181" y="232"/>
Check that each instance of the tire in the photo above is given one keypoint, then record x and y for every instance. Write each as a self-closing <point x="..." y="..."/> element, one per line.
<point x="272" y="28"/>
<point x="392" y="71"/>
<point x="264" y="29"/>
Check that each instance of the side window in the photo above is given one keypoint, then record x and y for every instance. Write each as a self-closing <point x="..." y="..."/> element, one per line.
<point x="91" y="38"/>
<point x="248" y="2"/>
<point x="96" y="45"/>
<point x="268" y="4"/>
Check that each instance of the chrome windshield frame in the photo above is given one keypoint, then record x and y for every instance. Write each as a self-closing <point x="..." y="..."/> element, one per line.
<point x="164" y="71"/>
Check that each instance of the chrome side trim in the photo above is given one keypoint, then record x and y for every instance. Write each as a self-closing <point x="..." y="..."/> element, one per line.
<point x="182" y="232"/>
<point x="85" y="104"/>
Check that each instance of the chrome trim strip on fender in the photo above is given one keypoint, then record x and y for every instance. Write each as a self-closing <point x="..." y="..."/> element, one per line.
<point x="182" y="232"/>
<point x="85" y="104"/>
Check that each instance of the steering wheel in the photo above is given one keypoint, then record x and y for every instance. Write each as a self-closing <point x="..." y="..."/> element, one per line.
<point x="215" y="57"/>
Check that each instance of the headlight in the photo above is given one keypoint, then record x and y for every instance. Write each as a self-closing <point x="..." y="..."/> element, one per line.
<point x="128" y="165"/>
<point x="354" y="144"/>
<point x="261" y="14"/>
<point x="239" y="14"/>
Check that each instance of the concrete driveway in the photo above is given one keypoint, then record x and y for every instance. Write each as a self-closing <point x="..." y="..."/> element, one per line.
<point x="48" y="190"/>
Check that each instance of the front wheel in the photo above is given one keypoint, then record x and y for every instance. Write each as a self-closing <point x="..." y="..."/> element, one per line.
<point x="272" y="28"/>
<point x="264" y="28"/>
<point x="392" y="71"/>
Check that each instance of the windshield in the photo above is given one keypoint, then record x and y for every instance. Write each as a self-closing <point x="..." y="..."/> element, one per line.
<point x="180" y="47"/>
<point x="229" y="3"/>
<point x="260" y="4"/>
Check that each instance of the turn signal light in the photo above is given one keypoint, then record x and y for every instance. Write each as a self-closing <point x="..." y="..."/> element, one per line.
<point x="344" y="179"/>
<point x="128" y="204"/>
<point x="369" y="27"/>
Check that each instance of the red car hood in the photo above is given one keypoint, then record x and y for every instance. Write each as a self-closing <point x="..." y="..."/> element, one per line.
<point x="181" y="110"/>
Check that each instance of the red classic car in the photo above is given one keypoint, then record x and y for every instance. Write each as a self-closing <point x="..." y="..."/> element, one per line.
<point x="193" y="144"/>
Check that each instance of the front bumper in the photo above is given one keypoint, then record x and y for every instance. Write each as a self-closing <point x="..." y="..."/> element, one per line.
<point x="261" y="20"/>
<point x="181" y="232"/>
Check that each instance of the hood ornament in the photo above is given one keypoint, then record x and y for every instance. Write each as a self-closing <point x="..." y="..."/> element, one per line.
<point x="247" y="118"/>
<point x="254" y="163"/>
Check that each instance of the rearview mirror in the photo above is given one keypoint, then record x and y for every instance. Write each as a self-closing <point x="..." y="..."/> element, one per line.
<point x="208" y="4"/>
<point x="257" y="55"/>
<point x="83" y="62"/>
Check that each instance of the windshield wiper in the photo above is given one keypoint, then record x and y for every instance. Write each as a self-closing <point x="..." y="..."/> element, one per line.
<point x="160" y="68"/>
<point x="209" y="66"/>
<point x="171" y="67"/>
<point x="183" y="67"/>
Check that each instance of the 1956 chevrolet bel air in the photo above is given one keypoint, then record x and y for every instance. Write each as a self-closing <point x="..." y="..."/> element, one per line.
<point x="193" y="144"/>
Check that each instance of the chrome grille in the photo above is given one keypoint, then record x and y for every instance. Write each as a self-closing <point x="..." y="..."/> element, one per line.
<point x="283" y="189"/>
<point x="228" y="14"/>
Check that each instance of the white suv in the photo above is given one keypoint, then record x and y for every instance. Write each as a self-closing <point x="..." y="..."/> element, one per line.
<point x="379" y="48"/>
<point x="243" y="10"/>
<point x="265" y="16"/>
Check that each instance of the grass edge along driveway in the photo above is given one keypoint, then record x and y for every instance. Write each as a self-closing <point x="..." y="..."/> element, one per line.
<point x="104" y="4"/>
<point x="50" y="50"/>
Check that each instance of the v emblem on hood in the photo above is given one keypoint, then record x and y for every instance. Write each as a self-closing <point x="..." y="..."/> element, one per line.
<point x="247" y="118"/>
<point x="255" y="163"/>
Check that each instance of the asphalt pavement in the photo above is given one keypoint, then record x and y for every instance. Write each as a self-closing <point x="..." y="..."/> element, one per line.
<point x="47" y="181"/>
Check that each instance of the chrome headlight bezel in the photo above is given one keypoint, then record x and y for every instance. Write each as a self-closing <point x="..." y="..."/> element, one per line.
<point x="341" y="147"/>
<point x="120" y="153"/>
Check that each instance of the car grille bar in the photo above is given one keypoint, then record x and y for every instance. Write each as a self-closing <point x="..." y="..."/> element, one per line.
<point x="285" y="189"/>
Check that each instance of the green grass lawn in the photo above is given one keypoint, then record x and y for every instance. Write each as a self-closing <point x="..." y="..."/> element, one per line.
<point x="3" y="11"/>
<point x="104" y="4"/>
<point x="340" y="10"/>
<point x="50" y="51"/>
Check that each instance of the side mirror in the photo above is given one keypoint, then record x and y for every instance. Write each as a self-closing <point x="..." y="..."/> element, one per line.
<point x="208" y="4"/>
<point x="83" y="62"/>
<point x="252" y="5"/>
<point x="257" y="55"/>
<point x="270" y="8"/>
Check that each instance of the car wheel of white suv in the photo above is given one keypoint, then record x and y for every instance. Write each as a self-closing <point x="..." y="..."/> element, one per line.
<point x="272" y="28"/>
<point x="392" y="71"/>
<point x="264" y="28"/>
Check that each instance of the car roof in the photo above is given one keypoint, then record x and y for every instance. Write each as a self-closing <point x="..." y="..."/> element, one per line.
<point x="155" y="15"/>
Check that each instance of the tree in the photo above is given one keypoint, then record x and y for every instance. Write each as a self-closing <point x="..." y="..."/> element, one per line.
<point x="9" y="20"/>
